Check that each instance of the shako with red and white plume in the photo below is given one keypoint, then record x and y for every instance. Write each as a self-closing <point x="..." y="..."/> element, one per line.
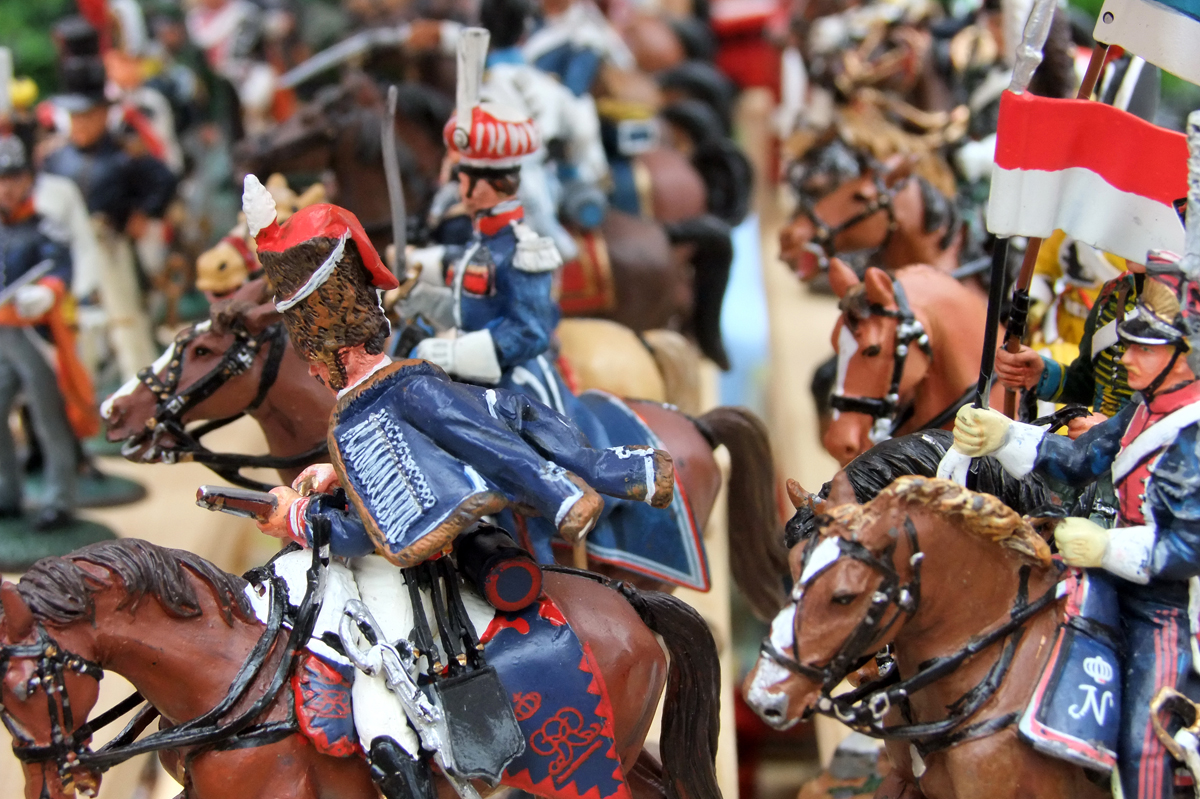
<point x="320" y="221"/>
<point x="485" y="135"/>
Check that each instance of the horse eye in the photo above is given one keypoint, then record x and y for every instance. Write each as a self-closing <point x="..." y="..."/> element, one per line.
<point x="201" y="352"/>
<point x="872" y="351"/>
<point x="860" y="197"/>
<point x="843" y="599"/>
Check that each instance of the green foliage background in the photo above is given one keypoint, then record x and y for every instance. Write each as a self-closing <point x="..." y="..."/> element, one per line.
<point x="25" y="28"/>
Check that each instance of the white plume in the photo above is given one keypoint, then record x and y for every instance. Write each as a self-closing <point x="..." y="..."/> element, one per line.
<point x="257" y="204"/>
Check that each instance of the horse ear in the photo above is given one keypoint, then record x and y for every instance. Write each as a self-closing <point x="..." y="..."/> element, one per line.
<point x="898" y="168"/>
<point x="841" y="277"/>
<point x="841" y="491"/>
<point x="879" y="288"/>
<point x="260" y="317"/>
<point x="17" y="615"/>
<point x="799" y="497"/>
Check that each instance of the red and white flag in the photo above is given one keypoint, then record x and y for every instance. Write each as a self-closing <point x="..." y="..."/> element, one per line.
<point x="1106" y="177"/>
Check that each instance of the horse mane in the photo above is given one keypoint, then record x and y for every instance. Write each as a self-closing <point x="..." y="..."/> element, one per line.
<point x="982" y="515"/>
<point x="60" y="591"/>
<point x="919" y="454"/>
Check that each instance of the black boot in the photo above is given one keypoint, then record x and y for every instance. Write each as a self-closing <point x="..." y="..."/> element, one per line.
<point x="396" y="774"/>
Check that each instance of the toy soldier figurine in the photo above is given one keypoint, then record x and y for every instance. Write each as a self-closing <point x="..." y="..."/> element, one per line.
<point x="417" y="458"/>
<point x="1152" y="449"/>
<point x="28" y="243"/>
<point x="125" y="193"/>
<point x="504" y="312"/>
<point x="1096" y="378"/>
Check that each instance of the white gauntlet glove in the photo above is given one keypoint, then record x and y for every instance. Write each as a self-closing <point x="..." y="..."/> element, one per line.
<point x="34" y="300"/>
<point x="979" y="431"/>
<point x="471" y="356"/>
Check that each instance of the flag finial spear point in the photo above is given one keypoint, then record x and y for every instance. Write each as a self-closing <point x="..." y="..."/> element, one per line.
<point x="1191" y="242"/>
<point x="1029" y="51"/>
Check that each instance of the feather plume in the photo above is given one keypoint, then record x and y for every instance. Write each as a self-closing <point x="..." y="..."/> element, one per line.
<point x="258" y="205"/>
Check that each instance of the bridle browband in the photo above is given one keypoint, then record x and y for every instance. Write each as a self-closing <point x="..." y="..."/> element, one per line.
<point x="173" y="404"/>
<point x="69" y="749"/>
<point x="865" y="708"/>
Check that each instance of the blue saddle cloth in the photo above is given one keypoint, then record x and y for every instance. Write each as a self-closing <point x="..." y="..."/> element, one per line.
<point x="1075" y="711"/>
<point x="561" y="705"/>
<point x="662" y="543"/>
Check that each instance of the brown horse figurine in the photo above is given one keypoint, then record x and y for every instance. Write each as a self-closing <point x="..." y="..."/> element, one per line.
<point x="928" y="568"/>
<point x="240" y="361"/>
<point x="908" y="351"/>
<point x="887" y="209"/>
<point x="294" y="414"/>
<point x="181" y="631"/>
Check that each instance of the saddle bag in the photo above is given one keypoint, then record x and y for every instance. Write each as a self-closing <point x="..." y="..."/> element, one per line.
<point x="484" y="736"/>
<point x="1075" y="711"/>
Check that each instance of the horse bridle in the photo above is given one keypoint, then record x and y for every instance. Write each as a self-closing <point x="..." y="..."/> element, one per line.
<point x="51" y="665"/>
<point x="173" y="405"/>
<point x="69" y="749"/>
<point x="821" y="245"/>
<point x="886" y="412"/>
<point x="865" y="708"/>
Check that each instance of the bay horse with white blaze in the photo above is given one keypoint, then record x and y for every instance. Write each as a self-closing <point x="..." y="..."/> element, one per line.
<point x="184" y="634"/>
<point x="908" y="352"/>
<point x="965" y="593"/>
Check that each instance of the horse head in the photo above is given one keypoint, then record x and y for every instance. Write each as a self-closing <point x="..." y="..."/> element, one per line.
<point x="861" y="213"/>
<point x="834" y="616"/>
<point x="883" y="355"/>
<point x="897" y="571"/>
<point x="215" y="369"/>
<point x="46" y="693"/>
<point x="887" y="209"/>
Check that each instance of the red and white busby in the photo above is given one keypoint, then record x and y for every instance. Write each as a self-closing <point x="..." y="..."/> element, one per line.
<point x="485" y="135"/>
<point x="325" y="274"/>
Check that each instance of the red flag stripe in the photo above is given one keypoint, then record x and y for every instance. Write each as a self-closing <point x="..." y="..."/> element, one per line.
<point x="1129" y="153"/>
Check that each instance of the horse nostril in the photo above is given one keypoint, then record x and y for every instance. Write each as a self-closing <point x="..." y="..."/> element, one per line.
<point x="772" y="713"/>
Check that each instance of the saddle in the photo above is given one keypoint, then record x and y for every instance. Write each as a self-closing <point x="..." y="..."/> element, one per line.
<point x="1075" y="711"/>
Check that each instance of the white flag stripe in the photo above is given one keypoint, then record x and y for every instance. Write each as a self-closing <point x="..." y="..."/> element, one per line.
<point x="1079" y="201"/>
<point x="1154" y="31"/>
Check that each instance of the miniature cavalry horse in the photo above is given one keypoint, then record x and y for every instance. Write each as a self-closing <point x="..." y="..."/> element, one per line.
<point x="222" y="369"/>
<point x="183" y="633"/>
<point x="903" y="218"/>
<point x="951" y="580"/>
<point x="908" y="351"/>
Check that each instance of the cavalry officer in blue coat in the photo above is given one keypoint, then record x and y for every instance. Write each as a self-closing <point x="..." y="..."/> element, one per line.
<point x="1152" y="449"/>
<point x="418" y="459"/>
<point x="502" y="281"/>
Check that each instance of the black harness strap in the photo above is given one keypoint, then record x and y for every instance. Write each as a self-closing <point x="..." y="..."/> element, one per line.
<point x="823" y="244"/>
